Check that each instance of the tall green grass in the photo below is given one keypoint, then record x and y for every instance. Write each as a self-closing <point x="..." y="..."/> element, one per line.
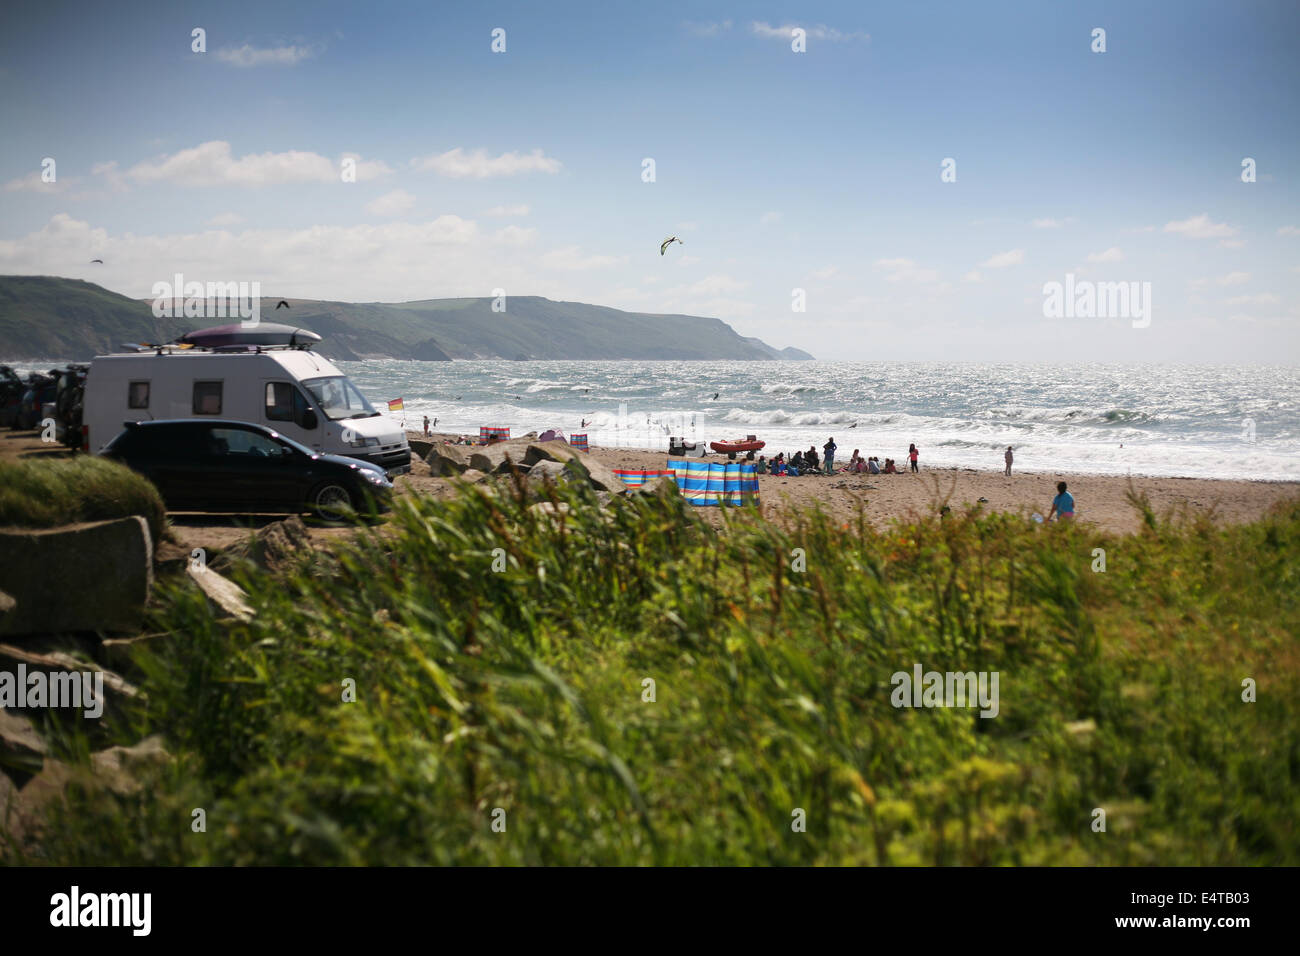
<point x="523" y="690"/>
<point x="45" y="493"/>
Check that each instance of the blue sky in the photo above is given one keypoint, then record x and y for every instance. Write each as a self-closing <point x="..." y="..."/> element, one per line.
<point x="779" y="170"/>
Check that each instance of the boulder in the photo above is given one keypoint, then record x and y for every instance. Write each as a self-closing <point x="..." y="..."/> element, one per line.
<point x="447" y="460"/>
<point x="420" y="447"/>
<point x="473" y="476"/>
<point x="119" y="767"/>
<point x="553" y="471"/>
<point x="84" y="577"/>
<point x="21" y="747"/>
<point x="275" y="547"/>
<point x="226" y="598"/>
<point x="597" y="474"/>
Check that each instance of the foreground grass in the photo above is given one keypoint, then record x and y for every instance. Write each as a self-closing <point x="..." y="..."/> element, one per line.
<point x="522" y="690"/>
<point x="47" y="493"/>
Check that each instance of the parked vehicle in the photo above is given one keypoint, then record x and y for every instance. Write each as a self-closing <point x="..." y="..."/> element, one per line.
<point x="11" y="396"/>
<point x="229" y="466"/>
<point x="296" y="392"/>
<point x="38" y="390"/>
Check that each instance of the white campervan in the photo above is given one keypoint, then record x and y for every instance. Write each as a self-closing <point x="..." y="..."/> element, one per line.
<point x="292" y="390"/>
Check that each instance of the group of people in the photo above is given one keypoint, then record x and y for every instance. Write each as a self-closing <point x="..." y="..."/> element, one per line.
<point x="810" y="463"/>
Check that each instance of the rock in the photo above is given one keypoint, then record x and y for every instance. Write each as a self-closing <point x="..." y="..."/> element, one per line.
<point x="21" y="747"/>
<point x="7" y="604"/>
<point x="553" y="471"/>
<point x="170" y="558"/>
<point x="655" y="486"/>
<point x="226" y="598"/>
<point x="61" y="661"/>
<point x="550" y="508"/>
<point x="473" y="476"/>
<point x="275" y="547"/>
<point x="119" y="767"/>
<point x="420" y="448"/>
<point x="83" y="577"/>
<point x="597" y="474"/>
<point x="446" y="460"/>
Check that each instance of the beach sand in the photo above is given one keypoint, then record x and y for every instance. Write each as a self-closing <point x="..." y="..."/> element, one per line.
<point x="1100" y="500"/>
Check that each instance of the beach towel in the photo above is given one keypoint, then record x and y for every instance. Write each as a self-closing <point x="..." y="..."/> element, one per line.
<point x="634" y="477"/>
<point x="578" y="441"/>
<point x="706" y="483"/>
<point x="487" y="433"/>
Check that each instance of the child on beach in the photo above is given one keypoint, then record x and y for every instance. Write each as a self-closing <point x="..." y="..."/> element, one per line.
<point x="761" y="467"/>
<point x="889" y="467"/>
<point x="873" y="465"/>
<point x="829" y="449"/>
<point x="912" y="452"/>
<point x="1062" y="504"/>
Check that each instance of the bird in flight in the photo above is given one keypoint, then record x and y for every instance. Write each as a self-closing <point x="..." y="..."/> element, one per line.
<point x="282" y="305"/>
<point x="663" y="246"/>
<point x="100" y="261"/>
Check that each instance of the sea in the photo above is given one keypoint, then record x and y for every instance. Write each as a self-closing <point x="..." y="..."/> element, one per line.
<point x="1203" y="421"/>
<point x="1224" y="421"/>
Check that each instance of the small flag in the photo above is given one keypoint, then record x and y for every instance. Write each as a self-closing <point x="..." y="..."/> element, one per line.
<point x="395" y="405"/>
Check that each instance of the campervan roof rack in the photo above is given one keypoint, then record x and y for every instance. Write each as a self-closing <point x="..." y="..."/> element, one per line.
<point x="169" y="348"/>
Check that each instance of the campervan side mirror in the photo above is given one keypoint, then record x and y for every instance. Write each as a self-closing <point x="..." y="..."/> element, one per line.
<point x="309" y="420"/>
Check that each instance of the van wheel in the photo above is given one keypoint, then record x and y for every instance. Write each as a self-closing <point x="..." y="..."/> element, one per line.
<point x="330" y="501"/>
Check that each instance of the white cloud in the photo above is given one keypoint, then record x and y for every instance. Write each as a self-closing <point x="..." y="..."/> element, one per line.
<point x="520" y="210"/>
<point x="770" y="217"/>
<point x="394" y="203"/>
<point x="248" y="55"/>
<point x="1231" y="243"/>
<point x="515" y="235"/>
<point x="905" y="270"/>
<point x="1233" y="278"/>
<point x="1288" y="231"/>
<point x="1113" y="254"/>
<point x="211" y="164"/>
<point x="459" y="164"/>
<point x="1261" y="298"/>
<point x="225" y="219"/>
<point x="1012" y="257"/>
<point x="570" y="259"/>
<point x="818" y="32"/>
<point x="32" y="183"/>
<point x="1200" y="227"/>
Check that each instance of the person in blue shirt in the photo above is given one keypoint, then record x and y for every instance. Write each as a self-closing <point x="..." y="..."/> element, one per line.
<point x="1062" y="504"/>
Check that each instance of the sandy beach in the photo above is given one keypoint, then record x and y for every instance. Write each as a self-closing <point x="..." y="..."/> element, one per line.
<point x="1101" y="500"/>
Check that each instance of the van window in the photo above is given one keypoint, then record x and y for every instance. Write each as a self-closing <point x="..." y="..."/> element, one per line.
<point x="285" y="403"/>
<point x="279" y="402"/>
<point x="137" y="395"/>
<point x="207" y="398"/>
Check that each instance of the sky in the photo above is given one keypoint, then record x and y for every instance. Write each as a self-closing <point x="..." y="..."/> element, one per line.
<point x="907" y="186"/>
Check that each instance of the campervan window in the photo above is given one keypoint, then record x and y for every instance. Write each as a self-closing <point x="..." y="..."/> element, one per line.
<point x="137" y="395"/>
<point x="339" y="398"/>
<point x="207" y="398"/>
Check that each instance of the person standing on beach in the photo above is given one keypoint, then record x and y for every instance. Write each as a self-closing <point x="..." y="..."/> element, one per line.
<point x="1062" y="504"/>
<point x="829" y="449"/>
<point x="912" y="453"/>
<point x="426" y="426"/>
<point x="1009" y="457"/>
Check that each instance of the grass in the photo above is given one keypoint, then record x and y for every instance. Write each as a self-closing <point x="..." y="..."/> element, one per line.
<point x="524" y="691"/>
<point x="46" y="493"/>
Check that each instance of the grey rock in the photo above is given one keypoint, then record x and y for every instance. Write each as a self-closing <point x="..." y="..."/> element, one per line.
<point x="83" y="577"/>
<point x="447" y="460"/>
<point x="226" y="598"/>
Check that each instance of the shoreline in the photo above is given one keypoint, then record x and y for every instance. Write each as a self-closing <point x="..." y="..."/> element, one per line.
<point x="1101" y="500"/>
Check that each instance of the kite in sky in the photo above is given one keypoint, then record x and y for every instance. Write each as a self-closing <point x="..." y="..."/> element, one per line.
<point x="663" y="246"/>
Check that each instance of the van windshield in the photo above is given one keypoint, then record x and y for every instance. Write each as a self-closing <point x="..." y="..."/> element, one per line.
<point x="338" y="397"/>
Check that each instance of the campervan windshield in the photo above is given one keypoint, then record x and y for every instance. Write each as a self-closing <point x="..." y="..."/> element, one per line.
<point x="338" y="397"/>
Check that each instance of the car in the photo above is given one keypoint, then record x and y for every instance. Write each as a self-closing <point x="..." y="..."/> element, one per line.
<point x="231" y="466"/>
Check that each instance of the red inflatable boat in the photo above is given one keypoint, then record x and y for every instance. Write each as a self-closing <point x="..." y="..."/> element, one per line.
<point x="735" y="447"/>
